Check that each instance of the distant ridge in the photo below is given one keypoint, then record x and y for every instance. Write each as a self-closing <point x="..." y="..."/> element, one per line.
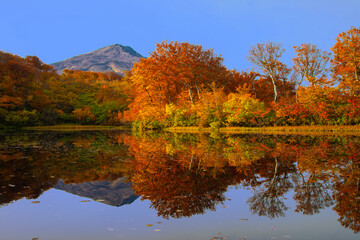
<point x="116" y="58"/>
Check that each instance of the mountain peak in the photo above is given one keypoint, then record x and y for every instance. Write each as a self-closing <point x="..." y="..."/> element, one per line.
<point x="116" y="58"/>
<point x="118" y="49"/>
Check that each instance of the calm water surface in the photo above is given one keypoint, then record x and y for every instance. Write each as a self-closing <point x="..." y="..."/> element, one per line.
<point x="114" y="185"/>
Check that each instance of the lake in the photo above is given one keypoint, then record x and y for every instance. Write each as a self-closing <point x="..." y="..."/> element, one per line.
<point x="113" y="184"/>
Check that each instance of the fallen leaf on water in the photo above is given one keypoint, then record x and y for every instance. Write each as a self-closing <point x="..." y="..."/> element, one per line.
<point x="159" y="222"/>
<point x="229" y="199"/>
<point x="224" y="206"/>
<point x="157" y="230"/>
<point x="100" y="200"/>
<point x="85" y="201"/>
<point x="149" y="225"/>
<point x="34" y="238"/>
<point x="35" y="202"/>
<point x="243" y="219"/>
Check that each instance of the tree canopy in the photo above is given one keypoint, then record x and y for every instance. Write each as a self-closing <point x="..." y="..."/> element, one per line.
<point x="176" y="73"/>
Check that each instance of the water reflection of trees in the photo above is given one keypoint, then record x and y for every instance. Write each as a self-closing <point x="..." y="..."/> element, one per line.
<point x="176" y="181"/>
<point x="31" y="163"/>
<point x="184" y="174"/>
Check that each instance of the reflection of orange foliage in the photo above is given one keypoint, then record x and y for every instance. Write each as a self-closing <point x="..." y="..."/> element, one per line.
<point x="83" y="142"/>
<point x="348" y="204"/>
<point x="184" y="174"/>
<point x="23" y="177"/>
<point x="29" y="170"/>
<point x="179" y="184"/>
<point x="180" y="177"/>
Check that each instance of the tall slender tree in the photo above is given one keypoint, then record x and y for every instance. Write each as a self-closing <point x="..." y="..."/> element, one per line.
<point x="310" y="63"/>
<point x="267" y="58"/>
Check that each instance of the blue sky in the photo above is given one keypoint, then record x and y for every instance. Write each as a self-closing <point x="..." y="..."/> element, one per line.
<point x="56" y="30"/>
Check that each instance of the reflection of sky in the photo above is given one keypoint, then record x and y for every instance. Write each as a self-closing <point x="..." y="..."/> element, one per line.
<point x="60" y="215"/>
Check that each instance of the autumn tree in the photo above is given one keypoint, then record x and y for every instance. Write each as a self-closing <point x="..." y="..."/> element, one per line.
<point x="23" y="85"/>
<point x="175" y="73"/>
<point x="242" y="109"/>
<point x="346" y="61"/>
<point x="267" y="58"/>
<point x="310" y="63"/>
<point x="244" y="80"/>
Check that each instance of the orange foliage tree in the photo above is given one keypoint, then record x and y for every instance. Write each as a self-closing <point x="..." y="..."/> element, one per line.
<point x="175" y="73"/>
<point x="346" y="62"/>
<point x="311" y="63"/>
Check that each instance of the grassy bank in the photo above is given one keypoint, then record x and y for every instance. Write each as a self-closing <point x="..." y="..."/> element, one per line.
<point x="71" y="127"/>
<point x="306" y="130"/>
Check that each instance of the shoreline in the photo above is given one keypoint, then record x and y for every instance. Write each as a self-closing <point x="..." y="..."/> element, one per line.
<point x="297" y="130"/>
<point x="287" y="130"/>
<point x="76" y="128"/>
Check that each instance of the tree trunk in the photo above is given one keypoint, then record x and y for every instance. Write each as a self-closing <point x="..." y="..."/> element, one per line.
<point x="275" y="88"/>
<point x="190" y="94"/>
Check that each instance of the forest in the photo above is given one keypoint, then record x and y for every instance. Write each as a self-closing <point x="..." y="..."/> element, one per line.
<point x="33" y="93"/>
<point x="182" y="85"/>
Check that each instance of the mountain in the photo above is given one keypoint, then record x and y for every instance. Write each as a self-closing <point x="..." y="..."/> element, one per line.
<point x="116" y="58"/>
<point x="115" y="193"/>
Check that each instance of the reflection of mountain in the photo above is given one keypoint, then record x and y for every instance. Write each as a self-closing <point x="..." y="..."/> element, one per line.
<point x="115" y="193"/>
